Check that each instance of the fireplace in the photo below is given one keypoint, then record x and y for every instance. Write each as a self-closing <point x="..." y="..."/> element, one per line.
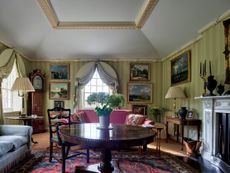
<point x="223" y="137"/>
<point x="216" y="131"/>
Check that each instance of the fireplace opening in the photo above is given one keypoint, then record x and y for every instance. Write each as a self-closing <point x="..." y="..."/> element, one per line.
<point x="223" y="137"/>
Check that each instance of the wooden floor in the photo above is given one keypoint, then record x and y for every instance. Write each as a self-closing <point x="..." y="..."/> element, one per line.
<point x="170" y="147"/>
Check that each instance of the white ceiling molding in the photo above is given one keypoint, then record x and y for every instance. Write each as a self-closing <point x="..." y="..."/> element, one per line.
<point x="139" y="22"/>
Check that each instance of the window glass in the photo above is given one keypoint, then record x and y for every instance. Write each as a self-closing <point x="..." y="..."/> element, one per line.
<point x="94" y="85"/>
<point x="10" y="100"/>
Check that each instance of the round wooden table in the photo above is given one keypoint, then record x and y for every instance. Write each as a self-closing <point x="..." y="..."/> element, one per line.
<point x="105" y="140"/>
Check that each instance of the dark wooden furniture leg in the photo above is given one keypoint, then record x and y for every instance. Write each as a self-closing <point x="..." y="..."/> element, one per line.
<point x="167" y="131"/>
<point x="182" y="135"/>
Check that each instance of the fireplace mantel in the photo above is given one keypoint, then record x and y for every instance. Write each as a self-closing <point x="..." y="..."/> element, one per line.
<point x="213" y="106"/>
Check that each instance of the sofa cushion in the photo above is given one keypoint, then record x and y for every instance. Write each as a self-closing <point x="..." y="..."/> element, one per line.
<point x="135" y="119"/>
<point x="79" y="117"/>
<point x="5" y="146"/>
<point x="17" y="141"/>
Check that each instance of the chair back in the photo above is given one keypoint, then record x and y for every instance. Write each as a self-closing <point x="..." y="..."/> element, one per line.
<point x="58" y="116"/>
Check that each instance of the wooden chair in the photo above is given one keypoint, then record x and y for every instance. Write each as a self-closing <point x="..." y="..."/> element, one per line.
<point x="57" y="117"/>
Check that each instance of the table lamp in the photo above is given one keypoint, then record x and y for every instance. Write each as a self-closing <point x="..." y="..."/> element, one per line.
<point x="22" y="85"/>
<point x="174" y="93"/>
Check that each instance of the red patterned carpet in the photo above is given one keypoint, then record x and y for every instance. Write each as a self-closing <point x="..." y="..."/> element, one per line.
<point x="128" y="161"/>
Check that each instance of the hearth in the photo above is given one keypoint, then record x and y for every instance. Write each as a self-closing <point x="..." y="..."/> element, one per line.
<point x="216" y="130"/>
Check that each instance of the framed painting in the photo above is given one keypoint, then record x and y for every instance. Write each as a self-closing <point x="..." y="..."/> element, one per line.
<point x="59" y="104"/>
<point x="139" y="92"/>
<point x="139" y="109"/>
<point x="139" y="72"/>
<point x="59" y="90"/>
<point x="59" y="71"/>
<point x="181" y="68"/>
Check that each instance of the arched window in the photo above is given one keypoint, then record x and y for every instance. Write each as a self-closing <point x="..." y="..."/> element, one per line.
<point x="10" y="100"/>
<point x="94" y="85"/>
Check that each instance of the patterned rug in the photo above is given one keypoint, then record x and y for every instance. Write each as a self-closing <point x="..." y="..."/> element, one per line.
<point x="128" y="161"/>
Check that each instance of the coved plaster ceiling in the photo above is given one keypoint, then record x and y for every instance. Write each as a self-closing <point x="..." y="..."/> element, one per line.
<point x="104" y="29"/>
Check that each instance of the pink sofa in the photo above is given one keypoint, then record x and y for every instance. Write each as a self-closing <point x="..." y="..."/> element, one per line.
<point x="117" y="117"/>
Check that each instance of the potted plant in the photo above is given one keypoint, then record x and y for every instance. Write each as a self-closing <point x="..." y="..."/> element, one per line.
<point x="155" y="113"/>
<point x="105" y="104"/>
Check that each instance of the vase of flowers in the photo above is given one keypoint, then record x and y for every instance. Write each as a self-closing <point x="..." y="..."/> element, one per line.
<point x="105" y="104"/>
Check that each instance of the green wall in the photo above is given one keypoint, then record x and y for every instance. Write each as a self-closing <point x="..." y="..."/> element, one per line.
<point x="210" y="48"/>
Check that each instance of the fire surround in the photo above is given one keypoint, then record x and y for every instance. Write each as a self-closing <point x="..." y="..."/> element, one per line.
<point x="213" y="108"/>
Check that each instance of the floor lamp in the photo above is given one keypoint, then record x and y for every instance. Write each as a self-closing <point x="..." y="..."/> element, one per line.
<point x="22" y="85"/>
<point x="174" y="93"/>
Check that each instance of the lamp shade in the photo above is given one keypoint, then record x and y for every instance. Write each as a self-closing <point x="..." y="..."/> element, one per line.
<point x="22" y="84"/>
<point x="174" y="93"/>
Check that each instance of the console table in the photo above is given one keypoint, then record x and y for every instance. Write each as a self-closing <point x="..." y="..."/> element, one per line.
<point x="182" y="123"/>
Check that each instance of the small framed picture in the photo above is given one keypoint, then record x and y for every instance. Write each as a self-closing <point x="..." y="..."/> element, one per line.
<point x="59" y="71"/>
<point x="191" y="115"/>
<point x="59" y="104"/>
<point x="59" y="91"/>
<point x="139" y="109"/>
<point x="139" y="71"/>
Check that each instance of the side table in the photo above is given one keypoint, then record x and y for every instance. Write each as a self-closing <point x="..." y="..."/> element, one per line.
<point x="158" y="127"/>
<point x="182" y="123"/>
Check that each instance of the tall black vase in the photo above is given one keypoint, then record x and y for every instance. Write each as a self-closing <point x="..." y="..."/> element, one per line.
<point x="211" y="85"/>
<point x="182" y="112"/>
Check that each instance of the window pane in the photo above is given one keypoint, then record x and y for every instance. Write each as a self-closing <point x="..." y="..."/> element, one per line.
<point x="11" y="100"/>
<point x="95" y="85"/>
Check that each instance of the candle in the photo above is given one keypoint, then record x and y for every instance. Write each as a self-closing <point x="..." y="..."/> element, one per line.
<point x="200" y="68"/>
<point x="210" y="70"/>
<point x="204" y="67"/>
<point x="203" y="70"/>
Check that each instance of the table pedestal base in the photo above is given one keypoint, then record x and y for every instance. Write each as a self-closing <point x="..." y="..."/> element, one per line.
<point x="94" y="168"/>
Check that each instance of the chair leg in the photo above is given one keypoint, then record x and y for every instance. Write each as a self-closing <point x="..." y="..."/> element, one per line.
<point x="67" y="151"/>
<point x="87" y="155"/>
<point x="63" y="158"/>
<point x="51" y="151"/>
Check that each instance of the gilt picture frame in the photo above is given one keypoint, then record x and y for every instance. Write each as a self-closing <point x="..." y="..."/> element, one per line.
<point x="59" y="71"/>
<point x="181" y="68"/>
<point x="139" y="92"/>
<point x="140" y="72"/>
<point x="59" y="104"/>
<point x="59" y="90"/>
<point x="139" y="109"/>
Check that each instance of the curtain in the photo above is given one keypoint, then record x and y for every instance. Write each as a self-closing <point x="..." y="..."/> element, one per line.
<point x="85" y="74"/>
<point x="7" y="58"/>
<point x="227" y="49"/>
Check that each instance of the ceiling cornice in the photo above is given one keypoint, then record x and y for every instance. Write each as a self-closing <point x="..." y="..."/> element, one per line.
<point x="139" y="22"/>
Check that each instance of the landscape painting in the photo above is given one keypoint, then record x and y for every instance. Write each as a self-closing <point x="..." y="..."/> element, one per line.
<point x="59" y="91"/>
<point x="139" y="92"/>
<point x="139" y="72"/>
<point x="59" y="71"/>
<point x="180" y="68"/>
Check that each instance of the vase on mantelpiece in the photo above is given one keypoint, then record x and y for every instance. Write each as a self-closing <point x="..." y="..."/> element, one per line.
<point x="211" y="85"/>
<point x="220" y="89"/>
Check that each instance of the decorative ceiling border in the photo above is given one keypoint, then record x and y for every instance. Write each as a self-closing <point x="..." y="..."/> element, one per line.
<point x="139" y="22"/>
